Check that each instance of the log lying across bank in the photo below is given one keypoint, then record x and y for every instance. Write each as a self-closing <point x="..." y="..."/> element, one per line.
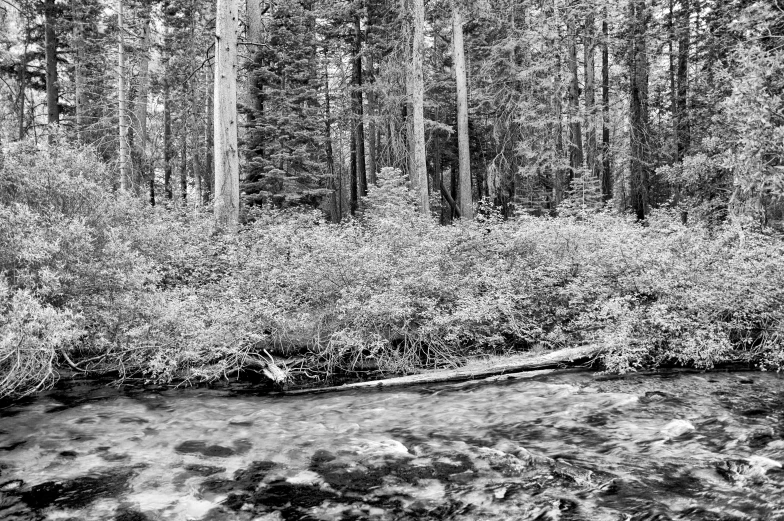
<point x="535" y="364"/>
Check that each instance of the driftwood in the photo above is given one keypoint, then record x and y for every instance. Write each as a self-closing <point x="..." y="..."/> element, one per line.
<point x="555" y="359"/>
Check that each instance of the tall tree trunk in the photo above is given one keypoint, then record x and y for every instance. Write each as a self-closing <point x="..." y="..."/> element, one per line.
<point x="606" y="173"/>
<point x="167" y="138"/>
<point x="673" y="88"/>
<point x="140" y="116"/>
<point x="682" y="113"/>
<point x="334" y="204"/>
<point x="121" y="96"/>
<point x="354" y="171"/>
<point x="418" y="102"/>
<point x="79" y="102"/>
<point x="209" y="133"/>
<point x="372" y="166"/>
<point x="561" y="180"/>
<point x="52" y="83"/>
<point x="638" y="109"/>
<point x="464" y="153"/>
<point x="227" y="179"/>
<point x="197" y="175"/>
<point x="575" y="134"/>
<point x="357" y="109"/>
<point x="589" y="44"/>
<point x="184" y="164"/>
<point x="23" y="84"/>
<point x="254" y="36"/>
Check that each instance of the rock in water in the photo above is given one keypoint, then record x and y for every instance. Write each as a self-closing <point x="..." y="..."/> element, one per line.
<point x="677" y="428"/>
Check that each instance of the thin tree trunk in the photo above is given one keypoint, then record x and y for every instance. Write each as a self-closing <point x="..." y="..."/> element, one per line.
<point x="561" y="180"/>
<point x="167" y="139"/>
<point x="209" y="133"/>
<point x="227" y="182"/>
<point x="464" y="153"/>
<point x="638" y="109"/>
<point x="589" y="44"/>
<point x="372" y="131"/>
<point x="254" y="35"/>
<point x="123" y="108"/>
<point x="684" y="131"/>
<point x="575" y="134"/>
<point x="357" y="108"/>
<point x="52" y="84"/>
<point x="673" y="88"/>
<point x="184" y="165"/>
<point x="334" y="204"/>
<point x="23" y="84"/>
<point x="606" y="173"/>
<point x="418" y="102"/>
<point x="140" y="130"/>
<point x="79" y="103"/>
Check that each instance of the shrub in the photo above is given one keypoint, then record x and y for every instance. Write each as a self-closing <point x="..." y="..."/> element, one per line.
<point x="98" y="281"/>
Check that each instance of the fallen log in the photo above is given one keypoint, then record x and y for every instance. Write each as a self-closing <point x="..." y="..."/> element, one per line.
<point x="473" y="371"/>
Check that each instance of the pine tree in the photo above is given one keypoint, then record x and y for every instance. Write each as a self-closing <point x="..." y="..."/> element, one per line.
<point x="285" y="137"/>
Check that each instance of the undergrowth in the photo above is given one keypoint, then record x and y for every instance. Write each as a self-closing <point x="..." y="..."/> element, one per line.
<point x="96" y="281"/>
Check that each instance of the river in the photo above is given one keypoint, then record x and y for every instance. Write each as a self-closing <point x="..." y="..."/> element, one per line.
<point x="568" y="446"/>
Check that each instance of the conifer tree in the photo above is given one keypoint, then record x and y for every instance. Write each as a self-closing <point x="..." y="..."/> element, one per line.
<point x="285" y="135"/>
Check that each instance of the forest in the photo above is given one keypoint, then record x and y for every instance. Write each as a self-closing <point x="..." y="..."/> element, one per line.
<point x="310" y="192"/>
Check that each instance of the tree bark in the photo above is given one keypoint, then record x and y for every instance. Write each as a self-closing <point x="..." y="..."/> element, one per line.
<point x="575" y="134"/>
<point x="167" y="139"/>
<point x="79" y="102"/>
<point x="682" y="111"/>
<point x="358" y="109"/>
<point x="606" y="173"/>
<point x="184" y="165"/>
<point x="23" y="83"/>
<point x="354" y="172"/>
<point x="140" y="116"/>
<point x="589" y="45"/>
<point x="372" y="166"/>
<point x="464" y="153"/>
<point x="121" y="96"/>
<point x="418" y="103"/>
<point x="561" y="181"/>
<point x="673" y="38"/>
<point x="334" y="204"/>
<point x="52" y="83"/>
<point x="638" y="109"/>
<point x="227" y="182"/>
<point x="254" y="35"/>
<point x="209" y="133"/>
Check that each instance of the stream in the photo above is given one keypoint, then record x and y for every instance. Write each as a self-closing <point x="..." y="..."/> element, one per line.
<point x="571" y="446"/>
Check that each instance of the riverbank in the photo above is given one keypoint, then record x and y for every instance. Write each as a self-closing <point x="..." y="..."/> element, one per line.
<point x="99" y="283"/>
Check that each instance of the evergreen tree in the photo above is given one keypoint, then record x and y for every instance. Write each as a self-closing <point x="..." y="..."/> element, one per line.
<point x="286" y="140"/>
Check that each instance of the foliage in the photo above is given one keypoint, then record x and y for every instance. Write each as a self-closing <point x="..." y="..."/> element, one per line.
<point x="100" y="282"/>
<point x="285" y="141"/>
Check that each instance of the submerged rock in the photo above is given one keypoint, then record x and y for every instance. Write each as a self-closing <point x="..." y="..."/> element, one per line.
<point x="677" y="428"/>
<point x="78" y="492"/>
<point x="131" y="515"/>
<point x="752" y="469"/>
<point x="200" y="447"/>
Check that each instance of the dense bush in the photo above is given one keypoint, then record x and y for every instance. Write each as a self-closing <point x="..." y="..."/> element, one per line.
<point x="96" y="280"/>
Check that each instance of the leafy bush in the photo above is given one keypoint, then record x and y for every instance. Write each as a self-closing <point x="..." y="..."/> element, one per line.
<point x="97" y="281"/>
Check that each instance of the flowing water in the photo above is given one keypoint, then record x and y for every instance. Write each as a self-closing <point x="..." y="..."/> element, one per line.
<point x="565" y="446"/>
